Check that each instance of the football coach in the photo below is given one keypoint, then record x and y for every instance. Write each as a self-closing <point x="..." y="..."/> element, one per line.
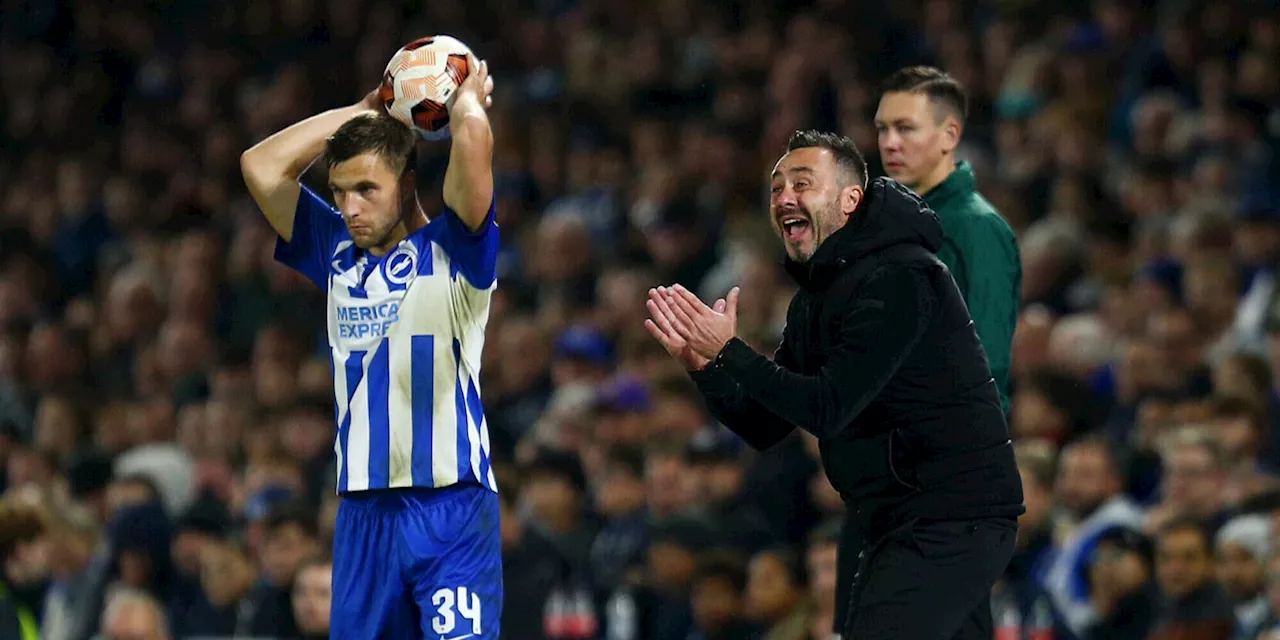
<point x="881" y="362"/>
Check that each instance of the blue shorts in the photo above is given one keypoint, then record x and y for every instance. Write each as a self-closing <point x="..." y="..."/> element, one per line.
<point x="417" y="563"/>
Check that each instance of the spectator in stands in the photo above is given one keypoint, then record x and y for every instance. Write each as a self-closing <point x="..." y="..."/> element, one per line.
<point x="777" y="596"/>
<point x="134" y="615"/>
<point x="22" y="529"/>
<point x="291" y="538"/>
<point x="1192" y="603"/>
<point x="619" y="494"/>
<point x="312" y="595"/>
<point x="1242" y="549"/>
<point x="821" y="563"/>
<point x="1195" y="480"/>
<point x="1020" y="588"/>
<point x="717" y="601"/>
<point x="531" y="565"/>
<point x="1090" y="490"/>
<point x="1122" y="586"/>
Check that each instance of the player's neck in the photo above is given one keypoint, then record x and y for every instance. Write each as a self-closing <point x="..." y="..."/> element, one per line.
<point x="411" y="223"/>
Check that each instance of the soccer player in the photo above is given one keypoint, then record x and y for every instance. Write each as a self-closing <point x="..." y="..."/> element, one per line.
<point x="416" y="548"/>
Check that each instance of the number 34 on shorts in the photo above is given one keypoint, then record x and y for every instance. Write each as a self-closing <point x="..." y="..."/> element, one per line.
<point x="458" y="613"/>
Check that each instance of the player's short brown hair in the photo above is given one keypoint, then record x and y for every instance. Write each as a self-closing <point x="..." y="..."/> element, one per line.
<point x="375" y="133"/>
<point x="942" y="89"/>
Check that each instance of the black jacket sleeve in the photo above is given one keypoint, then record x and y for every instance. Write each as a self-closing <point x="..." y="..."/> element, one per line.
<point x="880" y="327"/>
<point x="729" y="404"/>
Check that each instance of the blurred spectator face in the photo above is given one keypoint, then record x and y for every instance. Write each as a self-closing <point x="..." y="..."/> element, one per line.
<point x="678" y="415"/>
<point x="29" y="562"/>
<point x="772" y="592"/>
<point x="672" y="486"/>
<point x="554" y="499"/>
<point x="670" y="566"/>
<point x="51" y="359"/>
<point x="1238" y="436"/>
<point x="563" y="249"/>
<point x="307" y="435"/>
<point x="135" y="621"/>
<point x="1193" y="479"/>
<point x="226" y="573"/>
<point x="1211" y="294"/>
<point x="716" y="602"/>
<point x="286" y="547"/>
<point x="722" y="479"/>
<point x="1034" y="416"/>
<point x="915" y="138"/>
<point x="187" y="549"/>
<point x="1175" y="332"/>
<point x="808" y="193"/>
<point x="618" y="493"/>
<point x="519" y="335"/>
<point x="31" y="467"/>
<point x="57" y="425"/>
<point x="1115" y="572"/>
<point x="1240" y="573"/>
<point x="312" y="595"/>
<point x="137" y="569"/>
<point x="1183" y="562"/>
<point x="1256" y="242"/>
<point x="1031" y="340"/>
<point x="1086" y="478"/>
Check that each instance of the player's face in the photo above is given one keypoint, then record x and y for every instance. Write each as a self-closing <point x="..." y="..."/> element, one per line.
<point x="913" y="140"/>
<point x="371" y="195"/>
<point x="807" y="202"/>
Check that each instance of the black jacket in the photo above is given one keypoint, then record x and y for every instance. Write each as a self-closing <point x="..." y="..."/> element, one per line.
<point x="880" y="361"/>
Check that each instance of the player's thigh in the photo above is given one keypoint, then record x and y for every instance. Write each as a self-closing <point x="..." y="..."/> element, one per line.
<point x="369" y="598"/>
<point x="926" y="581"/>
<point x="454" y="546"/>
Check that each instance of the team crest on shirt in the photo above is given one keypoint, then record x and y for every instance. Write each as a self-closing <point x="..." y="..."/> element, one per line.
<point x="400" y="267"/>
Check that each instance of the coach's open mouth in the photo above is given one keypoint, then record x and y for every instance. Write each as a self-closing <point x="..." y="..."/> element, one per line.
<point x="794" y="226"/>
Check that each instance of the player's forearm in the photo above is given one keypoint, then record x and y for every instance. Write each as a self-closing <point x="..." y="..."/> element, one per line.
<point x="468" y="182"/>
<point x="287" y="154"/>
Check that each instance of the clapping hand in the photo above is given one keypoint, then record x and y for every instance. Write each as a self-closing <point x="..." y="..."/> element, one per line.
<point x="687" y="328"/>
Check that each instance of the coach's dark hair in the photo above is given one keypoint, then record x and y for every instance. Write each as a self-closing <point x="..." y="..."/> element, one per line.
<point x="372" y="133"/>
<point x="848" y="157"/>
<point x="942" y="89"/>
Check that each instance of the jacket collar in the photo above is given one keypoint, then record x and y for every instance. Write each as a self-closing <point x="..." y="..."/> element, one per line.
<point x="959" y="184"/>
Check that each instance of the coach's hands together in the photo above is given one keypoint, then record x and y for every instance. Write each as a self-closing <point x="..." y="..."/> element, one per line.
<point x="687" y="328"/>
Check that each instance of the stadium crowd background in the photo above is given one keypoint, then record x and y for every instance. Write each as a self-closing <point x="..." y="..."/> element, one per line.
<point x="166" y="404"/>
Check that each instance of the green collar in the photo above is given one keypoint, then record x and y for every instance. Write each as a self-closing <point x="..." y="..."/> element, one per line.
<point x="959" y="184"/>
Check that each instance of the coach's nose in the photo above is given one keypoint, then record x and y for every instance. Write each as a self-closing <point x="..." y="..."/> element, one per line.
<point x="785" y="199"/>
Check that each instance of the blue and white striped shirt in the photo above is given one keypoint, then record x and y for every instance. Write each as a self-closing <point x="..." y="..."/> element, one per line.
<point x="406" y="333"/>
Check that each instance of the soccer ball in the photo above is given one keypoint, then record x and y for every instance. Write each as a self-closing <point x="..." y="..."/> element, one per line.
<point x="420" y="82"/>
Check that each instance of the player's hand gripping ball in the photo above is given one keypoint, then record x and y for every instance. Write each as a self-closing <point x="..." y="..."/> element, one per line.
<point x="421" y="81"/>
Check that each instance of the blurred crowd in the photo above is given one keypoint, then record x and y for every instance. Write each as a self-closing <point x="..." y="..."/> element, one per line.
<point x="165" y="397"/>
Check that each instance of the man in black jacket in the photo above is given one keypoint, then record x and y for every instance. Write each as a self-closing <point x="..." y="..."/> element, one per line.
<point x="881" y="362"/>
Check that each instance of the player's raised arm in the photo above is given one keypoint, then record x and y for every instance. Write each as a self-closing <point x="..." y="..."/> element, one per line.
<point x="272" y="167"/>
<point x="468" y="182"/>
